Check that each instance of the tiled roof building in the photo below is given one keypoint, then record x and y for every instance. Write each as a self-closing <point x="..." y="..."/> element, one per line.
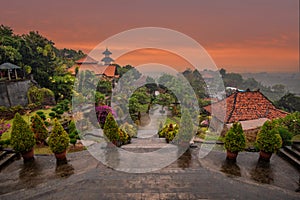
<point x="243" y="106"/>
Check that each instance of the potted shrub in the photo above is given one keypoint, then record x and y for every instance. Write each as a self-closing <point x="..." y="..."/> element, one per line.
<point x="39" y="129"/>
<point x="22" y="138"/>
<point x="59" y="141"/>
<point x="234" y="141"/>
<point x="268" y="140"/>
<point x="111" y="129"/>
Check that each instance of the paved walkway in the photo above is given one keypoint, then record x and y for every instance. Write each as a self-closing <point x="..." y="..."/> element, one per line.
<point x="187" y="178"/>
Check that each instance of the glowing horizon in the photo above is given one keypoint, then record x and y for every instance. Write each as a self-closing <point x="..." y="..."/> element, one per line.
<point x="240" y="36"/>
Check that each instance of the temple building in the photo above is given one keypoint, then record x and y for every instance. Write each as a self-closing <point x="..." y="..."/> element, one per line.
<point x="103" y="69"/>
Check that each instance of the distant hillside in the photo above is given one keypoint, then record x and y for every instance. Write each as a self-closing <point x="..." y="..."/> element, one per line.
<point x="290" y="80"/>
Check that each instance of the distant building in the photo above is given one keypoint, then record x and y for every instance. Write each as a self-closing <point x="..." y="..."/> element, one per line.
<point x="250" y="108"/>
<point x="104" y="69"/>
<point x="107" y="60"/>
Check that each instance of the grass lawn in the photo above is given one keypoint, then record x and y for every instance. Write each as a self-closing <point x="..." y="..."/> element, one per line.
<point x="6" y="135"/>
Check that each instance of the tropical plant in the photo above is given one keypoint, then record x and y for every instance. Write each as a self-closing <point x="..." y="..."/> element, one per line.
<point x="39" y="129"/>
<point x="22" y="137"/>
<point x="169" y="131"/>
<point x="58" y="139"/>
<point x="268" y="138"/>
<point x="235" y="139"/>
<point x="129" y="129"/>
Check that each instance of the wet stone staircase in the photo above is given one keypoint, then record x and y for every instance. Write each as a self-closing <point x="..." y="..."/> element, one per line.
<point x="291" y="154"/>
<point x="7" y="156"/>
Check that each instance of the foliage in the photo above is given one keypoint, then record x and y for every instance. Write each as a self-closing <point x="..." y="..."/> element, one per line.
<point x="3" y="127"/>
<point x="187" y="128"/>
<point x="169" y="131"/>
<point x="129" y="129"/>
<point x="58" y="139"/>
<point x="285" y="135"/>
<point x="42" y="96"/>
<point x="99" y="98"/>
<point x="73" y="141"/>
<point x="62" y="85"/>
<point x="102" y="113"/>
<point x="289" y="102"/>
<point x="235" y="139"/>
<point x="38" y="55"/>
<point x="22" y="137"/>
<point x="268" y="138"/>
<point x="291" y="122"/>
<point x="111" y="129"/>
<point x="139" y="101"/>
<point x="39" y="129"/>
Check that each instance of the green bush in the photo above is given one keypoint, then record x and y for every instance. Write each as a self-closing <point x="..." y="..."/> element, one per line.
<point x="285" y="135"/>
<point x="22" y="137"/>
<point x="169" y="131"/>
<point x="58" y="139"/>
<point x="268" y="138"/>
<point x="41" y="114"/>
<point x="73" y="141"/>
<point x="129" y="129"/>
<point x="235" y="139"/>
<point x="39" y="129"/>
<point x="52" y="114"/>
<point x="111" y="129"/>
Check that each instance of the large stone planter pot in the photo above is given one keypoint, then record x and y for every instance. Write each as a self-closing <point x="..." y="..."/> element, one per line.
<point x="28" y="156"/>
<point x="61" y="156"/>
<point x="231" y="155"/>
<point x="266" y="156"/>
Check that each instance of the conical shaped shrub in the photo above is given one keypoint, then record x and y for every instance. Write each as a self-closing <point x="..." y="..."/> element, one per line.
<point x="111" y="129"/>
<point x="235" y="140"/>
<point x="22" y="137"/>
<point x="39" y="129"/>
<point x="59" y="139"/>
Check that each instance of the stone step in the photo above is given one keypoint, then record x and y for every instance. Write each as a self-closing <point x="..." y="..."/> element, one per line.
<point x="296" y="146"/>
<point x="8" y="159"/>
<point x="290" y="158"/>
<point x="293" y="151"/>
<point x="2" y="154"/>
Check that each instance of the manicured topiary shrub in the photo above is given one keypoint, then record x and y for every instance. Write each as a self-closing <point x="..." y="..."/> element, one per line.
<point x="39" y="129"/>
<point x="22" y="137"/>
<point x="111" y="129"/>
<point x="235" y="139"/>
<point x="268" y="138"/>
<point x="58" y="139"/>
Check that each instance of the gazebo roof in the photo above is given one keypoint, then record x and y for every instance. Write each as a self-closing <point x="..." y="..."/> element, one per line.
<point x="9" y="66"/>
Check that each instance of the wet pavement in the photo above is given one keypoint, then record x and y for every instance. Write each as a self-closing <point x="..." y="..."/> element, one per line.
<point x="187" y="178"/>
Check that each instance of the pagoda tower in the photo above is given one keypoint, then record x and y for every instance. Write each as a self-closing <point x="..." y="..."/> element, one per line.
<point x="107" y="60"/>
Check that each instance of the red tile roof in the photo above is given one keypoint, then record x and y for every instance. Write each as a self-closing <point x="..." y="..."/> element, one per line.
<point x="242" y="106"/>
<point x="108" y="71"/>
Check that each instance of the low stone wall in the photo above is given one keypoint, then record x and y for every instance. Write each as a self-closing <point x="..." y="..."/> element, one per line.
<point x="13" y="93"/>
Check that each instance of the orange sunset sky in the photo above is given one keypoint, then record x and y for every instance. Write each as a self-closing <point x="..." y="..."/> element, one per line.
<point x="240" y="36"/>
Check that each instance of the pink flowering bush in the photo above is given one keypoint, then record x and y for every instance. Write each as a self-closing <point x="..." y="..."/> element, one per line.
<point x="102" y="112"/>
